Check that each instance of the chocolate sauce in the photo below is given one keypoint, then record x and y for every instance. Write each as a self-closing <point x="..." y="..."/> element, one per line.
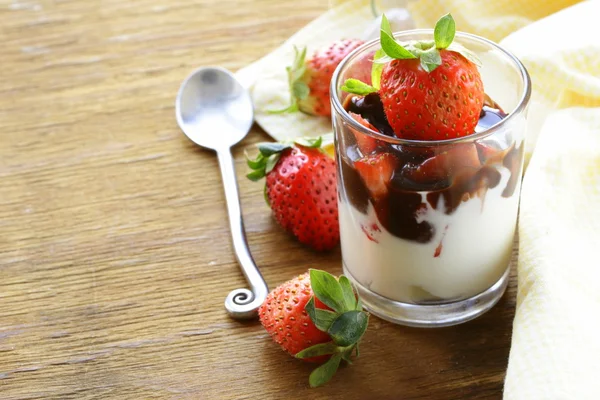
<point x="461" y="178"/>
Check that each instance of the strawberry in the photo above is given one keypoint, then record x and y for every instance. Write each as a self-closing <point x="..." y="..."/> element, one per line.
<point x="301" y="190"/>
<point x="447" y="163"/>
<point x="366" y="144"/>
<point x="430" y="90"/>
<point x="310" y="79"/>
<point x="377" y="171"/>
<point x="317" y="318"/>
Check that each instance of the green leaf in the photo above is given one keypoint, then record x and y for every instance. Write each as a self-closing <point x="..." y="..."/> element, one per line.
<point x="267" y="149"/>
<point x="293" y="107"/>
<point x="444" y="31"/>
<point x="320" y="349"/>
<point x="349" y="296"/>
<point x="430" y="59"/>
<point x="327" y="289"/>
<point x="359" y="304"/>
<point x="377" y="68"/>
<point x="357" y="351"/>
<point x="357" y="87"/>
<point x="466" y="53"/>
<point x="389" y="44"/>
<point x="271" y="162"/>
<point x="321" y="318"/>
<point x="258" y="163"/>
<point x="267" y="197"/>
<point x="325" y="372"/>
<point x="385" y="25"/>
<point x="347" y="354"/>
<point x="256" y="175"/>
<point x="300" y="90"/>
<point x="349" y="327"/>
<point x="314" y="143"/>
<point x="393" y="48"/>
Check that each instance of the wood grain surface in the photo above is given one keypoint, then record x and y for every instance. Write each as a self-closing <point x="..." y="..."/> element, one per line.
<point x="115" y="255"/>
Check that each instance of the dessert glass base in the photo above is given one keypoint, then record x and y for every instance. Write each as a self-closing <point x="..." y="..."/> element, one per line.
<point x="431" y="314"/>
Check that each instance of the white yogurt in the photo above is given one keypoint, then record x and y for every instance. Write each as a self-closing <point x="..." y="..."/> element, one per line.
<point x="475" y="252"/>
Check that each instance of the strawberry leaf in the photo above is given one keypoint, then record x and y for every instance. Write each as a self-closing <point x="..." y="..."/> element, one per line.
<point x="444" y="31"/>
<point x="257" y="163"/>
<point x="256" y="175"/>
<point x="271" y="162"/>
<point x="359" y="305"/>
<point x="347" y="354"/>
<point x="300" y="90"/>
<point x="313" y="143"/>
<point x="321" y="318"/>
<point x="320" y="349"/>
<point x="355" y="86"/>
<point x="430" y="59"/>
<point x="325" y="372"/>
<point x="268" y="149"/>
<point x="349" y="296"/>
<point x="327" y="289"/>
<point x="349" y="327"/>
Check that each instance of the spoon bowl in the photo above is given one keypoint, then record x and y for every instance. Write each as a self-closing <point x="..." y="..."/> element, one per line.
<point x="215" y="111"/>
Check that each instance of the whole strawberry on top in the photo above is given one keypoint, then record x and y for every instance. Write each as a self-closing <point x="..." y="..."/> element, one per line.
<point x="430" y="90"/>
<point x="309" y="79"/>
<point x="300" y="189"/>
<point x="317" y="318"/>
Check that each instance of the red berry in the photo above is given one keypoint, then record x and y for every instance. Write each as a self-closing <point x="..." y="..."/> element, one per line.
<point x="447" y="163"/>
<point x="283" y="316"/>
<point x="319" y="70"/>
<point x="442" y="104"/>
<point x="366" y="144"/>
<point x="377" y="171"/>
<point x="302" y="192"/>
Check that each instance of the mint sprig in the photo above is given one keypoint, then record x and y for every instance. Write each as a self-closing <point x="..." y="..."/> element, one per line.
<point x="426" y="51"/>
<point x="346" y="324"/>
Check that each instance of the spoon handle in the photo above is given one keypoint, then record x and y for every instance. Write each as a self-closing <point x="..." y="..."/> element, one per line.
<point x="240" y="303"/>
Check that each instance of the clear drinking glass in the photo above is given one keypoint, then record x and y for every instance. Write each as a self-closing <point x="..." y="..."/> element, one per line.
<point x="434" y="249"/>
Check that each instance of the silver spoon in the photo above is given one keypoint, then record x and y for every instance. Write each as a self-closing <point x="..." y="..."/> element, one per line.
<point x="215" y="112"/>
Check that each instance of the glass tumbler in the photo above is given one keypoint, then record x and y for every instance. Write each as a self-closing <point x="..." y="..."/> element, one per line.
<point x="432" y="245"/>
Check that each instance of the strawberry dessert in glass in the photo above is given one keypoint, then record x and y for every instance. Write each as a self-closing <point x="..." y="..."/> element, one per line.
<point x="429" y="154"/>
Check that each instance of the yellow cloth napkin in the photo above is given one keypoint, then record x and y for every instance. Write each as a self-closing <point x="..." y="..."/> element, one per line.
<point x="555" y="351"/>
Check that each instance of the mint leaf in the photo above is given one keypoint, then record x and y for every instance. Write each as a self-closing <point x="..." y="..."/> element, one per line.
<point x="267" y="149"/>
<point x="349" y="327"/>
<point x="393" y="48"/>
<point x="385" y="25"/>
<point x="320" y="349"/>
<point x="377" y="68"/>
<point x="357" y="87"/>
<point x="327" y="289"/>
<point x="321" y="318"/>
<point x="349" y="297"/>
<point x="444" y="31"/>
<point x="325" y="372"/>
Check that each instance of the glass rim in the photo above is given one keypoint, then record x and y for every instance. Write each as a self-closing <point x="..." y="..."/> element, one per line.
<point x="520" y="108"/>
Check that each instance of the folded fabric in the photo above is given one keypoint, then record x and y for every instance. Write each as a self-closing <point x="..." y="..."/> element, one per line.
<point x="555" y="346"/>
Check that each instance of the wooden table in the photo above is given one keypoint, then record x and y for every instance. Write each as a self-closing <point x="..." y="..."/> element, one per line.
<point x="115" y="255"/>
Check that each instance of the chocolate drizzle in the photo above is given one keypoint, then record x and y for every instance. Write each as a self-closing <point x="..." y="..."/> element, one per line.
<point x="447" y="175"/>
